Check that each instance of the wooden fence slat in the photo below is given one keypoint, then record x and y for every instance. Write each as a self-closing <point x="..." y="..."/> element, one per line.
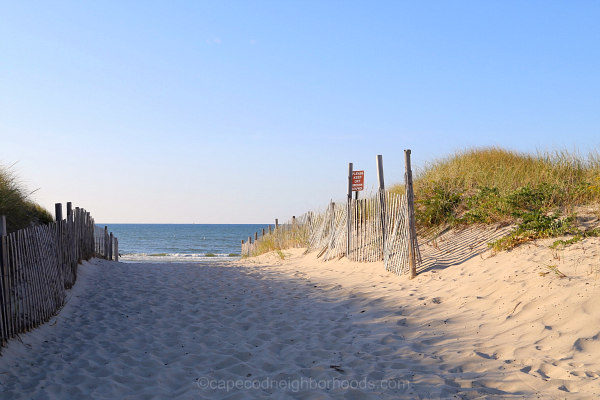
<point x="37" y="265"/>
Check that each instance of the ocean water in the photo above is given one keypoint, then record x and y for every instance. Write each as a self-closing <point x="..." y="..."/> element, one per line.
<point x="181" y="242"/>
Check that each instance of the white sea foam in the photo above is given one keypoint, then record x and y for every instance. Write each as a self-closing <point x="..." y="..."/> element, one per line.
<point x="175" y="257"/>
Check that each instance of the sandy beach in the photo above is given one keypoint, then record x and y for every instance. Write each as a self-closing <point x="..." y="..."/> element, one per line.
<point x="502" y="326"/>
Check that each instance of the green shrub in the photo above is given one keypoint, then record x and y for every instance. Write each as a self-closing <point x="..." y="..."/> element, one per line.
<point x="438" y="207"/>
<point x="536" y="225"/>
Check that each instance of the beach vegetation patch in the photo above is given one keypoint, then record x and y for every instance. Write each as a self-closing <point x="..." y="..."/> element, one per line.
<point x="15" y="204"/>
<point x="535" y="225"/>
<point x="537" y="193"/>
<point x="562" y="243"/>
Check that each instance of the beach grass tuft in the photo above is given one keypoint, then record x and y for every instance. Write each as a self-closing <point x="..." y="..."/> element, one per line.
<point x="15" y="204"/>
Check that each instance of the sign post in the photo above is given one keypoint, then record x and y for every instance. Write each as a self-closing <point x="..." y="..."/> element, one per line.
<point x="356" y="183"/>
<point x="349" y="211"/>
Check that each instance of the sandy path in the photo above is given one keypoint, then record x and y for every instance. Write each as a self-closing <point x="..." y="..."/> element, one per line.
<point x="490" y="327"/>
<point x="166" y="331"/>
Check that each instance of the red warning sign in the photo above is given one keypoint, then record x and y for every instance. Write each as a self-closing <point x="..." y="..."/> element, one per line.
<point x="358" y="180"/>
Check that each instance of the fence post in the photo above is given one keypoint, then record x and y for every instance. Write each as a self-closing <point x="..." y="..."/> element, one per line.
<point x="116" y="249"/>
<point x="60" y="231"/>
<point x="4" y="289"/>
<point x="412" y="233"/>
<point x="349" y="210"/>
<point x="110" y="246"/>
<point x="105" y="242"/>
<point x="71" y="245"/>
<point x="58" y="211"/>
<point x="3" y="233"/>
<point x="276" y="223"/>
<point x="381" y="200"/>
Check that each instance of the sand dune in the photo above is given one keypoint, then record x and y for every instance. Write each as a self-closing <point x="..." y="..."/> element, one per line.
<point x="477" y="326"/>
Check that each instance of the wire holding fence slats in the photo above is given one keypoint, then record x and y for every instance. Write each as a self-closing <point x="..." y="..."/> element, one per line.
<point x="38" y="264"/>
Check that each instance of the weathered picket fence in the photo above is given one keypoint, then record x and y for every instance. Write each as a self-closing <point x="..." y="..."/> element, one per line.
<point x="38" y="264"/>
<point x="326" y="233"/>
<point x="378" y="228"/>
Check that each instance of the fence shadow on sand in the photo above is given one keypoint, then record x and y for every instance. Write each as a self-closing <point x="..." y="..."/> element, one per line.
<point x="455" y="246"/>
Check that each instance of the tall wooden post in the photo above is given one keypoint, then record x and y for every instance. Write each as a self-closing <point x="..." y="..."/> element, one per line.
<point x="4" y="289"/>
<point x="382" y="200"/>
<point x="60" y="231"/>
<point x="116" y="249"/>
<point x="270" y="230"/>
<point x="276" y="223"/>
<point x="255" y="236"/>
<point x="349" y="211"/>
<point x="71" y="245"/>
<point x="106" y="242"/>
<point x="412" y="233"/>
<point x="263" y="232"/>
<point x="58" y="211"/>
<point x="3" y="233"/>
<point x="110" y="246"/>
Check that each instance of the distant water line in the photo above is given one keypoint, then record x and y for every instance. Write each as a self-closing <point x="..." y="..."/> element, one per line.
<point x="181" y="242"/>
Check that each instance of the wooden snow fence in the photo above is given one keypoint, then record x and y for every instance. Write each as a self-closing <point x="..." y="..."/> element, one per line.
<point x="38" y="264"/>
<point x="377" y="228"/>
<point x="326" y="232"/>
<point x="372" y="237"/>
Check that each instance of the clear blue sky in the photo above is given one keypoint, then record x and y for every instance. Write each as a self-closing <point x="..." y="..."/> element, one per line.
<point x="244" y="111"/>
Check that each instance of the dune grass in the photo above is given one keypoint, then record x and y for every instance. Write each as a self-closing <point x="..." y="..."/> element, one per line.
<point x="285" y="237"/>
<point x="537" y="192"/>
<point x="19" y="210"/>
